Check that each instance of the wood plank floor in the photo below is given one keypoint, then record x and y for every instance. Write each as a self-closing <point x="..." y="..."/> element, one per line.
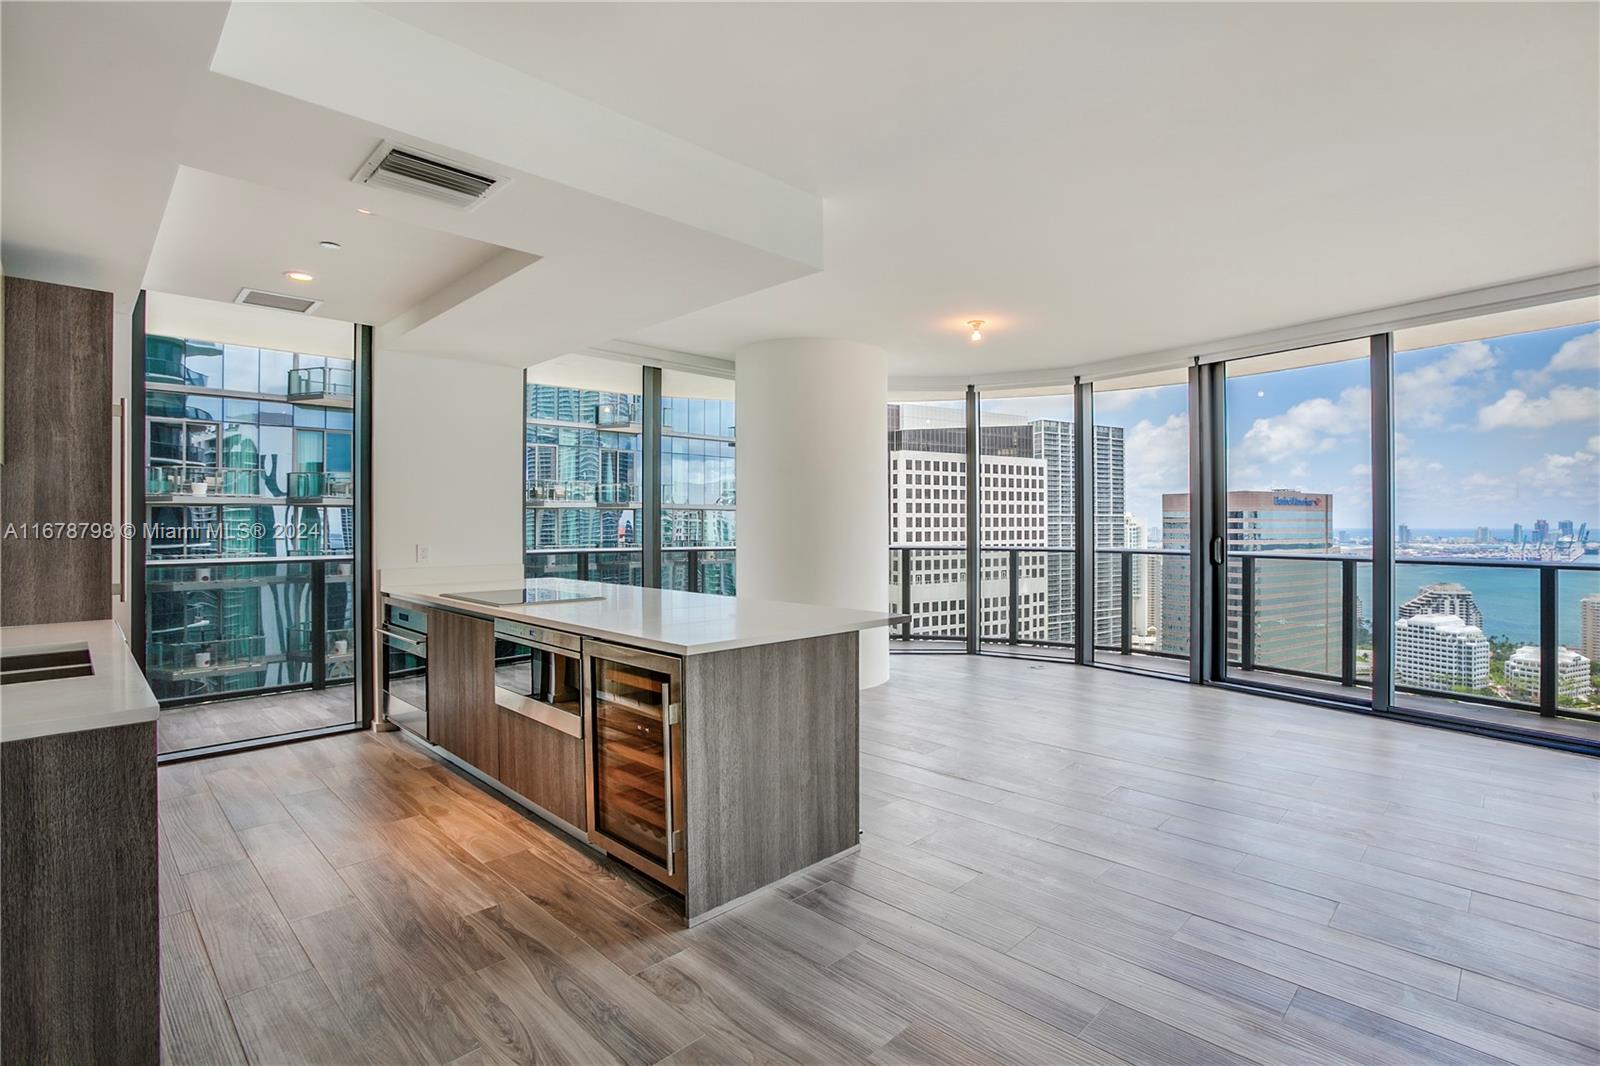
<point x="1059" y="865"/>
<point x="228" y="721"/>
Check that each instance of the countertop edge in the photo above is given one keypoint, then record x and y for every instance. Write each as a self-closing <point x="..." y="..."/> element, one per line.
<point x="107" y="700"/>
<point x="530" y="614"/>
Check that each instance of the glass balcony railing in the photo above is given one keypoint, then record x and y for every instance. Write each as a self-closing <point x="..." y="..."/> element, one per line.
<point x="708" y="570"/>
<point x="318" y="486"/>
<point x="580" y="492"/>
<point x="168" y="481"/>
<point x="326" y="385"/>
<point x="248" y="627"/>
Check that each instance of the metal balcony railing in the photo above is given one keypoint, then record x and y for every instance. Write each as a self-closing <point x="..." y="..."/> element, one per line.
<point x="248" y="627"/>
<point x="1289" y="615"/>
<point x="707" y="569"/>
<point x="545" y="493"/>
<point x="326" y="385"/>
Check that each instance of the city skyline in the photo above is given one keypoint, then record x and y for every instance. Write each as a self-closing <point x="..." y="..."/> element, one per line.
<point x="1490" y="433"/>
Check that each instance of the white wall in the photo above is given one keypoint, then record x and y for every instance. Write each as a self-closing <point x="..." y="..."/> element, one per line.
<point x="813" y="480"/>
<point x="446" y="461"/>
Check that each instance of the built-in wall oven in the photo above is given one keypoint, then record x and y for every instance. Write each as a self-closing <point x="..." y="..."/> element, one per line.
<point x="405" y="667"/>
<point x="634" y="758"/>
<point x="538" y="674"/>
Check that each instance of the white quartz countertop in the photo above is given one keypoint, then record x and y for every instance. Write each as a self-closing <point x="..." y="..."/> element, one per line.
<point x="681" y="623"/>
<point x="115" y="694"/>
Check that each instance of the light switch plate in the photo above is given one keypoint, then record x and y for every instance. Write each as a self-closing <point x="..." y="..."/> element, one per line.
<point x="422" y="553"/>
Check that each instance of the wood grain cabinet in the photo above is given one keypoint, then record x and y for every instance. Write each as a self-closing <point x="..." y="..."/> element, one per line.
<point x="463" y="717"/>
<point x="544" y="766"/>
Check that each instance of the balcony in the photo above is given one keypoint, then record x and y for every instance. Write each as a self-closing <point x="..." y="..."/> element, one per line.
<point x="193" y="483"/>
<point x="248" y="628"/>
<point x="322" y="386"/>
<point x="1300" y="622"/>
<point x="710" y="570"/>
<point x="314" y="487"/>
<point x="579" y="494"/>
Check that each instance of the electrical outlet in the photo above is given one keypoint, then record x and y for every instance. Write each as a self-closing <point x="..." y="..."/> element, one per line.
<point x="423" y="552"/>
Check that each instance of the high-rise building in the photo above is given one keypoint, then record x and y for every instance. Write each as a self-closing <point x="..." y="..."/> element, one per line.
<point x="1572" y="673"/>
<point x="1440" y="651"/>
<point x="1403" y="534"/>
<point x="1589" y="627"/>
<point x="1481" y="535"/>
<point x="1297" y="617"/>
<point x="1565" y="527"/>
<point x="1541" y="531"/>
<point x="1444" y="598"/>
<point x="1516" y="533"/>
<point x="927" y="509"/>
<point x="1051" y="441"/>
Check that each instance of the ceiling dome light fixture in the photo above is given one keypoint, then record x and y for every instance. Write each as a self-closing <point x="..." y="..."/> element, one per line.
<point x="298" y="275"/>
<point x="977" y="325"/>
<point x="363" y="211"/>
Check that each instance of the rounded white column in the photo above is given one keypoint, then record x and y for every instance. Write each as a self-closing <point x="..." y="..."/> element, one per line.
<point x="813" y="480"/>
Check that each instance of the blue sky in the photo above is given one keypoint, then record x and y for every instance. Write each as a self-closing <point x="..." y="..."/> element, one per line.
<point x="1490" y="433"/>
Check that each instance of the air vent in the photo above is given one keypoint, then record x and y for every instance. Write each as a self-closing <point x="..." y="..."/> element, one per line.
<point x="417" y="172"/>
<point x="277" y="301"/>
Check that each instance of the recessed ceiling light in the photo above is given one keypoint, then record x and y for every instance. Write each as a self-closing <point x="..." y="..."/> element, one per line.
<point x="977" y="325"/>
<point x="298" y="275"/>
<point x="332" y="246"/>
<point x="362" y="211"/>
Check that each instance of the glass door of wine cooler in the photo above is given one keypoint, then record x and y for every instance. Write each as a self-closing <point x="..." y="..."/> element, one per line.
<point x="635" y="754"/>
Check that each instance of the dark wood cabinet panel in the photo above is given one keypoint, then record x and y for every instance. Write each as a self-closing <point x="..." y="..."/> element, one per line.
<point x="544" y="766"/>
<point x="463" y="718"/>
<point x="57" y="451"/>
<point x="78" y="896"/>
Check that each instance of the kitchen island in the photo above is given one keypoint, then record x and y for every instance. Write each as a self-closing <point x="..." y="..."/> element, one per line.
<point x="710" y="742"/>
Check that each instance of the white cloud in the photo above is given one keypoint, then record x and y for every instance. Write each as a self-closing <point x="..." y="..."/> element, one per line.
<point x="1572" y="475"/>
<point x="1311" y="426"/>
<point x="1578" y="353"/>
<point x="1517" y="410"/>
<point x="1157" y="456"/>
<point x="1594" y="444"/>
<point x="1422" y="395"/>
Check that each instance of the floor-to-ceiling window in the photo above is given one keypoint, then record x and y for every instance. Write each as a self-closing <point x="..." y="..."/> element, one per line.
<point x="582" y="470"/>
<point x="1497" y="512"/>
<point x="698" y="494"/>
<point x="1298" y="517"/>
<point x="1028" y="488"/>
<point x="1141" y="518"/>
<point x="249" y="572"/>
<point x="927" y="518"/>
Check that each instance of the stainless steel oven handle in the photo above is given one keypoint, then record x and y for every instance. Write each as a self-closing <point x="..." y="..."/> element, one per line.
<point x="391" y="634"/>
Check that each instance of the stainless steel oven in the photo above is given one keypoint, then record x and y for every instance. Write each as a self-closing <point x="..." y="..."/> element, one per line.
<point x="537" y="674"/>
<point x="404" y="634"/>
<point x="634" y="758"/>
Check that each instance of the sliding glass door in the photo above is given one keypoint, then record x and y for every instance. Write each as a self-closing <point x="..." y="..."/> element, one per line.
<point x="1296" y="519"/>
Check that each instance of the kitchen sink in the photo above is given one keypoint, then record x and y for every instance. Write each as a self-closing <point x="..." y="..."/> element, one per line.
<point x="52" y="665"/>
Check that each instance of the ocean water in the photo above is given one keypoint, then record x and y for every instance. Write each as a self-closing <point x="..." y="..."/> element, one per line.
<point x="1509" y="599"/>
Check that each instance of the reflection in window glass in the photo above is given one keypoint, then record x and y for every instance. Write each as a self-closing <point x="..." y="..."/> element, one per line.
<point x="1497" y="430"/>
<point x="581" y="476"/>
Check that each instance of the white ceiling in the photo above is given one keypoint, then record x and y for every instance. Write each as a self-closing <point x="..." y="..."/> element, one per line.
<point x="1096" y="180"/>
<point x="1099" y="180"/>
<point x="219" y="234"/>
